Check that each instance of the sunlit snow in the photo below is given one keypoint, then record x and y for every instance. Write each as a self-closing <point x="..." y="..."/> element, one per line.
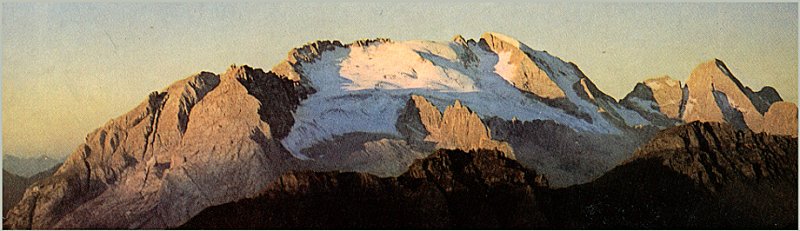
<point x="363" y="89"/>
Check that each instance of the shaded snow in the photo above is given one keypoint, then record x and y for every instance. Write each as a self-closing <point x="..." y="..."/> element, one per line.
<point x="647" y="105"/>
<point x="630" y="118"/>
<point x="363" y="89"/>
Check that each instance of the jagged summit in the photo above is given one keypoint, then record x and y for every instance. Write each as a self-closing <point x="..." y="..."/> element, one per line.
<point x="659" y="99"/>
<point x="497" y="41"/>
<point x="730" y="153"/>
<point x="715" y="95"/>
<point x="711" y="94"/>
<point x="459" y="40"/>
<point x="519" y="82"/>
<point x="374" y="106"/>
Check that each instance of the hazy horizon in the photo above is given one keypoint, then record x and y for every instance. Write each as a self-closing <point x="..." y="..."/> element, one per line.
<point x="70" y="68"/>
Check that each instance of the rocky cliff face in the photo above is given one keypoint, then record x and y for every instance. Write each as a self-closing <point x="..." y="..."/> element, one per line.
<point x="694" y="176"/>
<point x="456" y="128"/>
<point x="204" y="140"/>
<point x="714" y="153"/>
<point x="523" y="72"/>
<point x="448" y="189"/>
<point x="712" y="94"/>
<point x="659" y="100"/>
<point x="211" y="139"/>
<point x="716" y="96"/>
<point x="781" y="119"/>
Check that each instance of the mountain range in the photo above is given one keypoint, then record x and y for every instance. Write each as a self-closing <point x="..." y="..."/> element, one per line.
<point x="456" y="134"/>
<point x="29" y="166"/>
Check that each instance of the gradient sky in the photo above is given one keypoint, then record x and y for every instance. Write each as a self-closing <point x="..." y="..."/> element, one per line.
<point x="69" y="68"/>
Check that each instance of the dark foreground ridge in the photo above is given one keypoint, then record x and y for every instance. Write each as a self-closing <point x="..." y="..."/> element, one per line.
<point x="695" y="176"/>
<point x="14" y="186"/>
<point x="700" y="175"/>
<point x="449" y="189"/>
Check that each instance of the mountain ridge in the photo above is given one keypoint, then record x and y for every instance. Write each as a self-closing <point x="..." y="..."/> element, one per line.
<point x="210" y="139"/>
<point x="484" y="189"/>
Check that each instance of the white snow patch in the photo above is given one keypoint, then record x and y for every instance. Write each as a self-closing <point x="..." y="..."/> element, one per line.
<point x="363" y="89"/>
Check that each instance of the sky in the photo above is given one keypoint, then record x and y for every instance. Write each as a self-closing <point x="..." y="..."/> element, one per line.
<point x="68" y="68"/>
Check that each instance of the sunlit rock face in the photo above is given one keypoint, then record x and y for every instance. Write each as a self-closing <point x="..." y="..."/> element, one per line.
<point x="202" y="141"/>
<point x="375" y="107"/>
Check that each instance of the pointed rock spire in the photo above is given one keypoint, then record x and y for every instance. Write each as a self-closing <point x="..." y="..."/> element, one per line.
<point x="457" y="128"/>
<point x="715" y="95"/>
<point x="460" y="40"/>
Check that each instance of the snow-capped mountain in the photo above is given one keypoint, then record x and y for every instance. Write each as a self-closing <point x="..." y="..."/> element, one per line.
<point x="372" y="106"/>
<point x="361" y="86"/>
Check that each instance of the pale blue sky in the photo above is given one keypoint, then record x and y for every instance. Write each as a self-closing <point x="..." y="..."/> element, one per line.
<point x="69" y="68"/>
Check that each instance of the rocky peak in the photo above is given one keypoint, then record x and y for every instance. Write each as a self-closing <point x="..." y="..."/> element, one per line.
<point x="417" y="119"/>
<point x="278" y="97"/>
<point x="712" y="154"/>
<point x="467" y="57"/>
<point x="134" y="142"/>
<point x="769" y="94"/>
<point x="368" y="42"/>
<point x="517" y="67"/>
<point x="457" y="128"/>
<point x="199" y="142"/>
<point x="715" y="95"/>
<point x="658" y="99"/>
<point x="667" y="93"/>
<point x="781" y="119"/>
<point x="311" y="51"/>
<point x="458" y="39"/>
<point x="498" y="42"/>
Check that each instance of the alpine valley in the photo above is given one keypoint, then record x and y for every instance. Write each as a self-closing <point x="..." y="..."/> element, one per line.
<point x="419" y="134"/>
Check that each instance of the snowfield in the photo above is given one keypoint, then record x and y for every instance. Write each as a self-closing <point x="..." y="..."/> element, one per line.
<point x="363" y="89"/>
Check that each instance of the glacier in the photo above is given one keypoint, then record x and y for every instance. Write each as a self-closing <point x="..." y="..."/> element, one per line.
<point x="363" y="89"/>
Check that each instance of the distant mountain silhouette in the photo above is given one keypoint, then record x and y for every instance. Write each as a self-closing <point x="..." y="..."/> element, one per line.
<point x="29" y="166"/>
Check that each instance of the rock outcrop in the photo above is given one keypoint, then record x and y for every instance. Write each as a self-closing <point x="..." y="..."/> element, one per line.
<point x="109" y="153"/>
<point x="204" y="140"/>
<point x="711" y="94"/>
<point x="694" y="176"/>
<point x="712" y="154"/>
<point x="522" y="71"/>
<point x="716" y="96"/>
<point x="781" y="119"/>
<point x="457" y="128"/>
<point x="449" y="189"/>
<point x="660" y="100"/>
<point x="212" y="140"/>
<point x="764" y="98"/>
